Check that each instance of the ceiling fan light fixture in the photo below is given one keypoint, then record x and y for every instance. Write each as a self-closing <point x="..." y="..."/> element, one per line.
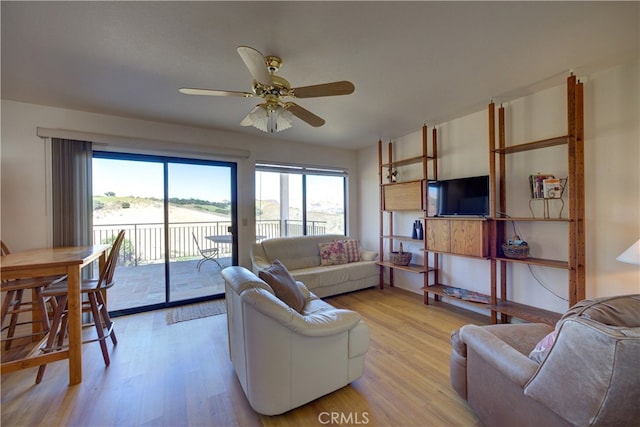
<point x="258" y="118"/>
<point x="280" y="119"/>
<point x="270" y="120"/>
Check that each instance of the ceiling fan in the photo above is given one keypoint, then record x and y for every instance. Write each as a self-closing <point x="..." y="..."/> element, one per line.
<point x="275" y="113"/>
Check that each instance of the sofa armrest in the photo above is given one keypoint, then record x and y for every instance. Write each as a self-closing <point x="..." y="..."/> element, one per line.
<point x="317" y="324"/>
<point x="514" y="365"/>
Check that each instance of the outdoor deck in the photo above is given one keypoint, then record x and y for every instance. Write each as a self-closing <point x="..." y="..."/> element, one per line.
<point x="145" y="285"/>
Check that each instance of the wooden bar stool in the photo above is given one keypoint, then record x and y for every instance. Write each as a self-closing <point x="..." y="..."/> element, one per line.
<point x="94" y="304"/>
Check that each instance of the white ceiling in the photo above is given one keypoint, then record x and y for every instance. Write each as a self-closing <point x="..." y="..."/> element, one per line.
<point x="411" y="62"/>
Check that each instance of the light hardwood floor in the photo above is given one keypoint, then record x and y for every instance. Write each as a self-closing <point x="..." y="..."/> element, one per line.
<point x="180" y="374"/>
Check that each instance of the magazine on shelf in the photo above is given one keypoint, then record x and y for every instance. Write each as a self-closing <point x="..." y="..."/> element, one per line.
<point x="552" y="188"/>
<point x="536" y="184"/>
<point x="467" y="295"/>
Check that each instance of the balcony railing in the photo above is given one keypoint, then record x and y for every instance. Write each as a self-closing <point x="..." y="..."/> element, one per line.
<point x="144" y="243"/>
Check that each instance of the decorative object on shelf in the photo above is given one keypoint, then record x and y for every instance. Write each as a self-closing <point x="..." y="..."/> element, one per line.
<point x="631" y="255"/>
<point x="545" y="187"/>
<point x="414" y="232"/>
<point x="420" y="230"/>
<point x="392" y="175"/>
<point x="516" y="248"/>
<point x="400" y="257"/>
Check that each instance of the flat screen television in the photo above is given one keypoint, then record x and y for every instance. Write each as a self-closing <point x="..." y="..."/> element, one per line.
<point x="459" y="197"/>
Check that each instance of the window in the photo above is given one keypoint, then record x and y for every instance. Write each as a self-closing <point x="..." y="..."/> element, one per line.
<point x="299" y="200"/>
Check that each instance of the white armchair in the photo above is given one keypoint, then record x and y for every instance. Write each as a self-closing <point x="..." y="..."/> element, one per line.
<point x="284" y="359"/>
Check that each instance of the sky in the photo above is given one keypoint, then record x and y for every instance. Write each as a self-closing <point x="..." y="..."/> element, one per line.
<point x="212" y="183"/>
<point x="145" y="179"/>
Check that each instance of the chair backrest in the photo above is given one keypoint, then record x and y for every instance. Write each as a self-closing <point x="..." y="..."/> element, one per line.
<point x="590" y="375"/>
<point x="106" y="274"/>
<point x="4" y="250"/>
<point x="195" y="239"/>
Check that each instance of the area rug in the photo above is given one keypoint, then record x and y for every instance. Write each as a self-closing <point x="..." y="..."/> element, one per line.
<point x="196" y="311"/>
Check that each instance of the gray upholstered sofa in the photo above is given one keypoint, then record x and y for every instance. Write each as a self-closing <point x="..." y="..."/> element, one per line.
<point x="285" y="358"/>
<point x="301" y="256"/>
<point x="585" y="372"/>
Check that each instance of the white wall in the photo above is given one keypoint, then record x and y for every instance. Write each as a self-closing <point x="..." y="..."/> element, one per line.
<point x="612" y="186"/>
<point x="24" y="220"/>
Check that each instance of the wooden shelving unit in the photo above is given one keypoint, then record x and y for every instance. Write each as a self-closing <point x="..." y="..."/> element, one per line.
<point x="403" y="196"/>
<point x="499" y="154"/>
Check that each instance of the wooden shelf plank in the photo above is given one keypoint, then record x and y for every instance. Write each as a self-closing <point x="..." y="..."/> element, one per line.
<point x="527" y="312"/>
<point x="530" y="219"/>
<point x="543" y="143"/>
<point x="413" y="268"/>
<point x="442" y="291"/>
<point x="509" y="308"/>
<point x="392" y="184"/>
<point x="456" y="254"/>
<point x="538" y="261"/>
<point x="405" y="162"/>
<point x="403" y="238"/>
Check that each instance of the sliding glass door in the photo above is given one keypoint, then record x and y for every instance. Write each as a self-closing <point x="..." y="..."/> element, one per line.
<point x="200" y="225"/>
<point x="179" y="216"/>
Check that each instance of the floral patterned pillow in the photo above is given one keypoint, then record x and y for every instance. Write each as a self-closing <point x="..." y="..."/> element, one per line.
<point x="332" y="253"/>
<point x="540" y="352"/>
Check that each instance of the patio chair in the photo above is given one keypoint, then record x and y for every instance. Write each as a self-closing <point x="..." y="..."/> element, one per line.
<point x="94" y="303"/>
<point x="14" y="305"/>
<point x="208" y="254"/>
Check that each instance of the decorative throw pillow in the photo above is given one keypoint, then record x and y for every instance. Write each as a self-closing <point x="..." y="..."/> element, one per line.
<point x="352" y="249"/>
<point x="283" y="284"/>
<point x="332" y="253"/>
<point x="541" y="350"/>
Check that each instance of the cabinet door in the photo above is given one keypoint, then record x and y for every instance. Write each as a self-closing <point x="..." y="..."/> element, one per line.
<point x="437" y="235"/>
<point x="469" y="238"/>
<point x="405" y="196"/>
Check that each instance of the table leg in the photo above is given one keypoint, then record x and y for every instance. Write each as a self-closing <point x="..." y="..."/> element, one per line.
<point x="75" y="324"/>
<point x="37" y="321"/>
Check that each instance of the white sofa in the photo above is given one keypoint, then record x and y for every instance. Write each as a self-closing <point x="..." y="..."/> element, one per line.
<point x="284" y="359"/>
<point x="301" y="256"/>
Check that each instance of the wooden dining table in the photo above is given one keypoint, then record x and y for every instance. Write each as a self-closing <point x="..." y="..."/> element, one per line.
<point x="43" y="262"/>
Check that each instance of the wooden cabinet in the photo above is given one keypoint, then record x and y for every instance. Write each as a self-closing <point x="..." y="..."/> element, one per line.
<point x="457" y="236"/>
<point x="403" y="197"/>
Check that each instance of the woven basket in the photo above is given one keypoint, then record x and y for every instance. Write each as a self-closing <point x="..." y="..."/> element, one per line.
<point x="515" y="251"/>
<point x="400" y="258"/>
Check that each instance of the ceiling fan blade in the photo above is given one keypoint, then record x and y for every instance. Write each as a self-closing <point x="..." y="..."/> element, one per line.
<point x="304" y="114"/>
<point x="213" y="92"/>
<point x="326" y="89"/>
<point x="256" y="64"/>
